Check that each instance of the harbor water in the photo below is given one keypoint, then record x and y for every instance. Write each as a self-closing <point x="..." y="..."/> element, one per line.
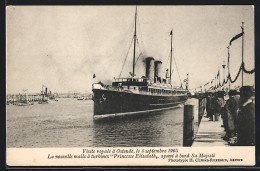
<point x="69" y="123"/>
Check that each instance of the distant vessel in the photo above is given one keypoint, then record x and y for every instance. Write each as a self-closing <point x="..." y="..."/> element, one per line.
<point x="24" y="104"/>
<point x="134" y="95"/>
<point x="89" y="97"/>
<point x="80" y="98"/>
<point x="44" y="95"/>
<point x="43" y="102"/>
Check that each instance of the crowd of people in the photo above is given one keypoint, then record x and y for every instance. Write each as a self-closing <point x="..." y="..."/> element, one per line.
<point x="237" y="113"/>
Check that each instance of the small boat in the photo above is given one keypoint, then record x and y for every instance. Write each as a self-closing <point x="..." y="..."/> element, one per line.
<point x="80" y="98"/>
<point x="43" y="102"/>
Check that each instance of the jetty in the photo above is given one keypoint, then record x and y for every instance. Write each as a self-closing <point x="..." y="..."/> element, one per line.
<point x="210" y="133"/>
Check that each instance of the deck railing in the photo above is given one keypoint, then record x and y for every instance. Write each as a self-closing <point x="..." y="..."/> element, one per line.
<point x="150" y="91"/>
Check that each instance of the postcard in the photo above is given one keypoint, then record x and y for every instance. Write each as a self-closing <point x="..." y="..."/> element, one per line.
<point x="130" y="85"/>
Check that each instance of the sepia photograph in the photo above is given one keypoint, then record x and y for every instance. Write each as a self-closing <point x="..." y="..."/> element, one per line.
<point x="130" y="85"/>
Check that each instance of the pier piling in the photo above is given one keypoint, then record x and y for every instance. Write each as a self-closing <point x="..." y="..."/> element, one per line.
<point x="188" y="128"/>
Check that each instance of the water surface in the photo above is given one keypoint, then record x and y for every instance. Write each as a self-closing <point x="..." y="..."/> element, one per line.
<point x="69" y="123"/>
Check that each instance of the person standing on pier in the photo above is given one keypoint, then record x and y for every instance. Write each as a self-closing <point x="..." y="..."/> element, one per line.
<point x="216" y="107"/>
<point x="218" y="103"/>
<point x="209" y="106"/>
<point x="246" y="118"/>
<point x="231" y="111"/>
<point x="222" y="102"/>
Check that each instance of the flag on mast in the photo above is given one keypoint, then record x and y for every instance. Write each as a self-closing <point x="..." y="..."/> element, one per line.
<point x="236" y="37"/>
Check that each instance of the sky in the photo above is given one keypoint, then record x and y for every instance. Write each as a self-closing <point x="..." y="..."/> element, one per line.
<point x="61" y="47"/>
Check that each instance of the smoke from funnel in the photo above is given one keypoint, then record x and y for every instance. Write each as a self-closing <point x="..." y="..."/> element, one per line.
<point x="158" y="70"/>
<point x="150" y="68"/>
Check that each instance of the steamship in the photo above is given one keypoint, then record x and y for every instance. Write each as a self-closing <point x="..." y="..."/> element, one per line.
<point x="134" y="95"/>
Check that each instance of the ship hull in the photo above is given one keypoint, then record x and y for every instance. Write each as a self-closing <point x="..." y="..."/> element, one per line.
<point x="112" y="103"/>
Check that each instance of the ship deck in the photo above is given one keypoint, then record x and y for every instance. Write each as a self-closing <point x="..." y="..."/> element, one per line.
<point x="148" y="93"/>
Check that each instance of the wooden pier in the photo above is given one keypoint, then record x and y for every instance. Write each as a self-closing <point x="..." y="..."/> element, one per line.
<point x="209" y="134"/>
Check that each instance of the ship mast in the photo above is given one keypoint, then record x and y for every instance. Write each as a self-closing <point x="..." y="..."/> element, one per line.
<point x="134" y="44"/>
<point x="171" y="60"/>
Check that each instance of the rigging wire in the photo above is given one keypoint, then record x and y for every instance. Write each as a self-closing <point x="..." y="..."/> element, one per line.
<point x="126" y="57"/>
<point x="141" y="53"/>
<point x="177" y="70"/>
<point x="131" y="30"/>
<point x="140" y="32"/>
<point x="167" y="61"/>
